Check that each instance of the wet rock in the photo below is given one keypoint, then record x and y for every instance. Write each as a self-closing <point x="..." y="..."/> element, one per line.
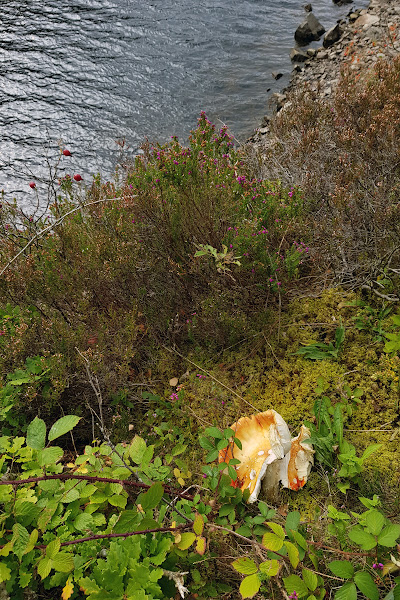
<point x="276" y="74"/>
<point x="332" y="36"/>
<point x="309" y="31"/>
<point x="297" y="55"/>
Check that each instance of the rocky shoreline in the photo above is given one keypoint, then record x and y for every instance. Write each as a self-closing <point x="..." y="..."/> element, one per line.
<point x="365" y="36"/>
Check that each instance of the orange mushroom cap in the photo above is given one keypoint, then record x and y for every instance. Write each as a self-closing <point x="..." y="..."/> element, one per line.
<point x="265" y="437"/>
<point x="297" y="463"/>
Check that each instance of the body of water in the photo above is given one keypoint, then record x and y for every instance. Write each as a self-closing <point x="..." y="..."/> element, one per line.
<point x="85" y="73"/>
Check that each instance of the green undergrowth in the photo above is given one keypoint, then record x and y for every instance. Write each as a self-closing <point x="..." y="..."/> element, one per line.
<point x="138" y="328"/>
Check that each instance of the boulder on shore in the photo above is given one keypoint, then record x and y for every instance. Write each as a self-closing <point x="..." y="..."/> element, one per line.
<point x="309" y="31"/>
<point x="297" y="55"/>
<point x="332" y="36"/>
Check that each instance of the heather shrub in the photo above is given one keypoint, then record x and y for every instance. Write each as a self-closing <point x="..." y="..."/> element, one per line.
<point x="345" y="157"/>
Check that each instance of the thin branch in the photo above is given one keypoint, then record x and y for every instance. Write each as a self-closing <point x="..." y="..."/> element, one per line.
<point x="49" y="228"/>
<point x="64" y="476"/>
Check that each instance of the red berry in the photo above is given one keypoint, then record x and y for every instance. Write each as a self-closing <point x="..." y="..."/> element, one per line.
<point x="66" y="152"/>
<point x="32" y="185"/>
<point x="77" y="177"/>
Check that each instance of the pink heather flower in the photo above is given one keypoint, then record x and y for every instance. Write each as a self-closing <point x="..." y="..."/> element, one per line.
<point x="294" y="595"/>
<point x="377" y="566"/>
<point x="174" y="396"/>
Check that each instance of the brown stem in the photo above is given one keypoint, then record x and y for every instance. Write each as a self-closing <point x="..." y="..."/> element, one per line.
<point x="63" y="476"/>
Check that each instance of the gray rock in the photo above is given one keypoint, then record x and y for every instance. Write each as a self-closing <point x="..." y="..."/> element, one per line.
<point x="332" y="36"/>
<point x="309" y="31"/>
<point x="297" y="55"/>
<point x="366" y="20"/>
<point x="308" y="8"/>
<point x="311" y="52"/>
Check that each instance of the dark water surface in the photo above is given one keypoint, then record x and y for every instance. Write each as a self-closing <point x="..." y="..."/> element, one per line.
<point x="89" y="72"/>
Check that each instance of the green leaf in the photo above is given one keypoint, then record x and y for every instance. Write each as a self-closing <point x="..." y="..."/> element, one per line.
<point x="348" y="591"/>
<point x="186" y="540"/>
<point x="270" y="541"/>
<point x="152" y="497"/>
<point x="270" y="567"/>
<point x="198" y="524"/>
<point x="5" y="573"/>
<point x="375" y="521"/>
<point x="370" y="450"/>
<point x="245" y="565"/>
<point x="83" y="522"/>
<point x="292" y="521"/>
<point x="62" y="426"/>
<point x="36" y="434"/>
<point x="366" y="585"/>
<point x="53" y="547"/>
<point x="20" y="539"/>
<point x="294" y="583"/>
<point x="293" y="554"/>
<point x="63" y="562"/>
<point x="365" y="540"/>
<point x="301" y="541"/>
<point x="49" y="456"/>
<point x="342" y="568"/>
<point x="118" y="500"/>
<point x="310" y="579"/>
<point x="250" y="586"/>
<point x="389" y="535"/>
<point x="44" y="567"/>
<point x="214" y="432"/>
<point x="137" y="448"/>
<point x="128" y="521"/>
<point x="277" y="529"/>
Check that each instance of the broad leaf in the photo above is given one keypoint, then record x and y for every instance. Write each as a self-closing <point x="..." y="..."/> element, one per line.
<point x="152" y="497"/>
<point x="277" y="529"/>
<point x="375" y="521"/>
<point x="62" y="426"/>
<point x="198" y="524"/>
<point x="63" y="562"/>
<point x="245" y="565"/>
<point x="366" y="585"/>
<point x="270" y="567"/>
<point x="365" y="540"/>
<point x="294" y="583"/>
<point x="186" y="540"/>
<point x="20" y="539"/>
<point x="250" y="586"/>
<point x="137" y="448"/>
<point x="293" y="554"/>
<point x="44" y="567"/>
<point x="270" y="541"/>
<point x="342" y="568"/>
<point x="53" y="548"/>
<point x="310" y="579"/>
<point x="389" y="535"/>
<point x="36" y="434"/>
<point x="347" y="592"/>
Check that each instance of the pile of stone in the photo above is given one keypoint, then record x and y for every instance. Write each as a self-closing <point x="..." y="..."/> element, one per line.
<point x="359" y="41"/>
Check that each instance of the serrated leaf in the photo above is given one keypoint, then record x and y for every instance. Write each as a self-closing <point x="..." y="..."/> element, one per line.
<point x="294" y="583"/>
<point x="342" y="568"/>
<point x="201" y="545"/>
<point x="198" y="524"/>
<point x="187" y="539"/>
<point x="62" y="426"/>
<point x="20" y="539"/>
<point x="293" y="554"/>
<point x="310" y="579"/>
<point x="63" y="562"/>
<point x="128" y="521"/>
<point x="270" y="567"/>
<point x="389" y="535"/>
<point x="292" y="521"/>
<point x="250" y="586"/>
<point x="366" y="585"/>
<point x="83" y="522"/>
<point x="33" y="538"/>
<point x="348" y="591"/>
<point x="375" y="521"/>
<point x="67" y="589"/>
<point x="270" y="541"/>
<point x="118" y="500"/>
<point x="301" y="541"/>
<point x="36" y="434"/>
<point x="245" y="566"/>
<point x="137" y="448"/>
<point x="277" y="529"/>
<point x="365" y="540"/>
<point x="5" y="572"/>
<point x="53" y="547"/>
<point x="24" y="579"/>
<point x="49" y="456"/>
<point x="152" y="497"/>
<point x="44" y="567"/>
